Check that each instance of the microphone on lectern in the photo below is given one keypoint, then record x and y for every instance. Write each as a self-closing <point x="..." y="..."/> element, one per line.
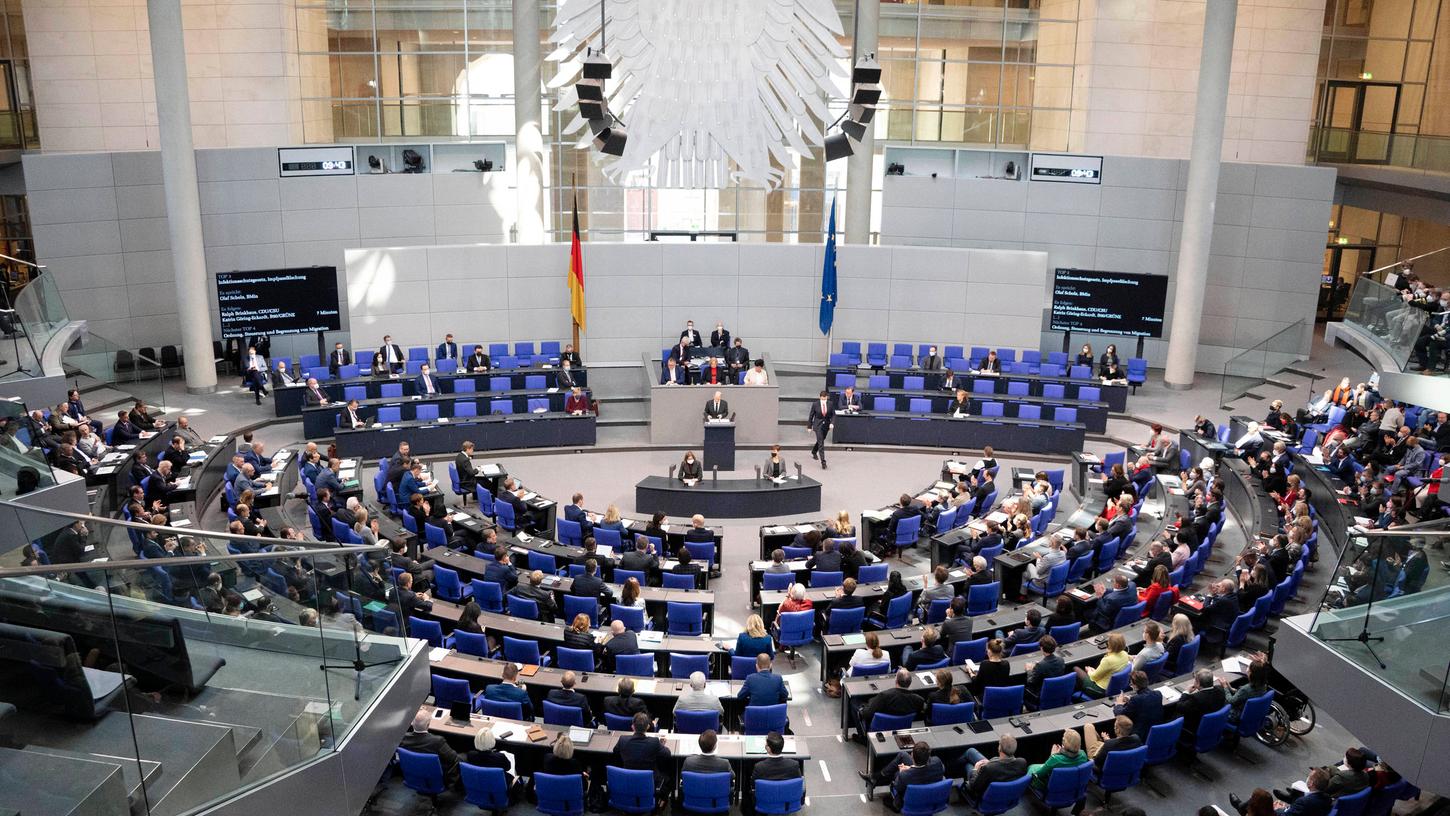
<point x="672" y="472"/>
<point x="757" y="473"/>
<point x="798" y="470"/>
<point x="714" y="474"/>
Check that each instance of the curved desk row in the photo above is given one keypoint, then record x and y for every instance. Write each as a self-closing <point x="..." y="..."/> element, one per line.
<point x="973" y="432"/>
<point x="1091" y="413"/>
<point x="728" y="498"/>
<point x="290" y="400"/>
<point x="321" y="420"/>
<point x="1115" y="395"/>
<point x="547" y="430"/>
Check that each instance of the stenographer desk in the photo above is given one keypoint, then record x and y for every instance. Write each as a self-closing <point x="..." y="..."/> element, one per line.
<point x="728" y="498"/>
<point x="496" y="432"/>
<point x="1116" y="395"/>
<point x="290" y="399"/>
<point x="958" y="433"/>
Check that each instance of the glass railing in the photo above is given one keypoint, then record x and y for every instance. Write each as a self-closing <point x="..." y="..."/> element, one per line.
<point x="23" y="467"/>
<point x="1253" y="366"/>
<point x="1410" y="150"/>
<point x="1384" y="316"/>
<point x="154" y="671"/>
<point x="1388" y="606"/>
<point x="39" y="313"/>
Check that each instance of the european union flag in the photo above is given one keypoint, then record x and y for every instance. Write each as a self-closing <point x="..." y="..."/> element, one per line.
<point x="828" y="275"/>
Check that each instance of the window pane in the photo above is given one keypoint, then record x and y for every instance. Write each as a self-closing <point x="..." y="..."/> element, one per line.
<point x="1385" y="59"/>
<point x="354" y="76"/>
<point x="1016" y="126"/>
<point x="1390" y="18"/>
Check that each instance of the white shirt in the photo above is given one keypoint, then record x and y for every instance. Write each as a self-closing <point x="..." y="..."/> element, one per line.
<point x="755" y="377"/>
<point x="388" y="352"/>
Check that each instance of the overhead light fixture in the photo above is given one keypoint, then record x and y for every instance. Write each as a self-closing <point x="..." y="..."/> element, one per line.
<point x="838" y="146"/>
<point x="865" y="93"/>
<point x="611" y="139"/>
<point x="597" y="66"/>
<point x="855" y="130"/>
<point x="861" y="113"/>
<point x="867" y="71"/>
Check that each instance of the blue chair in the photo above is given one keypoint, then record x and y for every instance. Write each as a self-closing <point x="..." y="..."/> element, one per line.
<point x="502" y="708"/>
<point x="974" y="650"/>
<point x="1355" y="804"/>
<point x="876" y="355"/>
<point x="682" y="665"/>
<point x="488" y="594"/>
<point x="873" y="573"/>
<point x="781" y="797"/>
<point x="898" y="613"/>
<point x="1055" y="585"/>
<point x="845" y="621"/>
<point x="1137" y="372"/>
<point x="992" y="409"/>
<point x="1163" y="742"/>
<point x="470" y="643"/>
<point x="684" y="618"/>
<point x="388" y="415"/>
<point x="1129" y="614"/>
<point x="1033" y="412"/>
<point x="522" y="607"/>
<point x="623" y="576"/>
<point x="543" y="562"/>
<point x="450" y="690"/>
<point x="631" y="791"/>
<point x="485" y="788"/>
<point x="781" y="581"/>
<point x="435" y="536"/>
<point x="851" y="348"/>
<point x="1154" y="668"/>
<point x="696" y="722"/>
<point x="908" y="530"/>
<point x="570" y="532"/>
<point x="864" y="669"/>
<point x="523" y="650"/>
<point x="447" y="586"/>
<point x="1238" y="632"/>
<point x="796" y="630"/>
<point x="762" y="719"/>
<point x="391" y="390"/>
<point x="1121" y="770"/>
<point x="999" y="797"/>
<point x="424" y="413"/>
<point x="575" y="606"/>
<point x="1210" y="731"/>
<point x="1187" y="656"/>
<point x="677" y="580"/>
<point x="936" y="612"/>
<point x="951" y="714"/>
<point x="1253" y="714"/>
<point x="1065" y="634"/>
<point x="879" y="403"/>
<point x="631" y="617"/>
<point x="422" y="773"/>
<point x="926" y="800"/>
<point x="1001" y="701"/>
<point x="429" y="630"/>
<point x="890" y="722"/>
<point x="1066" y="786"/>
<point x="579" y="660"/>
<point x="555" y="714"/>
<point x="741" y="667"/>
<point x="1056" y="692"/>
<point x="705" y="792"/>
<point x="640" y="665"/>
<point x="982" y="598"/>
<point x="822" y="578"/>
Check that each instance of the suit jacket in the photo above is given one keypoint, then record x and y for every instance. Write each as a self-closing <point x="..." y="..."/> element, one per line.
<point x="1145" y="575"/>
<point x="931" y="363"/>
<point x="737" y="358"/>
<point x="848" y="402"/>
<point x="955" y="630"/>
<point x="720" y="338"/>
<point x="1193" y="706"/>
<point x="642" y="752"/>
<point x="124" y="432"/>
<point x="508" y="693"/>
<point x="502" y="574"/>
<point x="432" y="744"/>
<point x="1145" y="709"/>
<point x="990" y="365"/>
<point x="398" y="356"/>
<point x="285" y="376"/>
<point x="467" y="476"/>
<point x="424" y="384"/>
<point x="337" y="359"/>
<point x="893" y="700"/>
<point x="623" y="644"/>
<point x="476" y="361"/>
<point x="707" y="763"/>
<point x="352" y="419"/>
<point x="717" y="409"/>
<point x="1000" y="769"/>
<point x="446" y="351"/>
<point x="776" y="768"/>
<point x="1112" y="601"/>
<point x="819" y="420"/>
<point x="694" y="337"/>
<point x="691" y="470"/>
<point x="573" y="699"/>
<point x="932" y="771"/>
<point x="1127" y="743"/>
<point x="825" y="561"/>
<point x="763" y="688"/>
<point x="624" y="706"/>
<point x="591" y="586"/>
<point x="1315" y="803"/>
<point x="176" y="458"/>
<point x="68" y="548"/>
<point x="1219" y="611"/>
<point x="412" y="604"/>
<point x="315" y="396"/>
<point x="678" y="376"/>
<point x="773" y="469"/>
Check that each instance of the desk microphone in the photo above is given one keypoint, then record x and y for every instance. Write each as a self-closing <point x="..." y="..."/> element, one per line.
<point x="732" y="416"/>
<point x="714" y="474"/>
<point x="798" y="470"/>
<point x="672" y="472"/>
<point x="757" y="473"/>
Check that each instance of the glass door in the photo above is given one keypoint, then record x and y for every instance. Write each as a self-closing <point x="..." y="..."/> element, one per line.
<point x="1357" y="121"/>
<point x="1343" y="264"/>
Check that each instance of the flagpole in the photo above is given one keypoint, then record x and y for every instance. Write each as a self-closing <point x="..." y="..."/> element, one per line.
<point x="574" y="182"/>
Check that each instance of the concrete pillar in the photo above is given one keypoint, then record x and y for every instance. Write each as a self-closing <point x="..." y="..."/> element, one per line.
<point x="1203" y="166"/>
<point x="183" y="204"/>
<point x="858" y="166"/>
<point x="529" y="142"/>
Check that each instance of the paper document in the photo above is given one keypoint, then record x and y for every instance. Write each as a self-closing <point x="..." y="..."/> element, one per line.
<point x="437" y="654"/>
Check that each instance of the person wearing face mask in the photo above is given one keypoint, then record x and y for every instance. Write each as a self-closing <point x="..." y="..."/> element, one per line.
<point x="690" y="469"/>
<point x="1430" y="345"/>
<point x="392" y="354"/>
<point x="720" y="337"/>
<point x="690" y="334"/>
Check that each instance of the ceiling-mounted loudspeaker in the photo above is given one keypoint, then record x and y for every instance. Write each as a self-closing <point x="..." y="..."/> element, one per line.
<point x="590" y="90"/>
<point x="611" y="140"/>
<point x="838" y="146"/>
<point x="592" y="111"/>
<point x="867" y="71"/>
<point x="597" y="66"/>
<point x="855" y="130"/>
<point x="861" y="113"/>
<point x="865" y="94"/>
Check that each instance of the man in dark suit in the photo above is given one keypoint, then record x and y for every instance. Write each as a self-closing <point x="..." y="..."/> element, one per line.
<point x="639" y="751"/>
<point x="621" y="642"/>
<point x="1203" y="697"/>
<point x="717" y="408"/>
<point x="957" y="628"/>
<point x="571" y="355"/>
<point x="691" y="335"/>
<point x="426" y="384"/>
<point x="827" y="560"/>
<point x="419" y="740"/>
<point x="351" y="417"/>
<point x="773" y="768"/>
<point x="447" y="350"/>
<point x="412" y="603"/>
<point x="1144" y="706"/>
<point x="535" y="591"/>
<point x="674" y="373"/>
<point x="1219" y="611"/>
<point x="399" y="463"/>
<point x="176" y="454"/>
<point x="720" y="337"/>
<point x="392" y="354"/>
<point x="575" y="512"/>
<point x="590" y="585"/>
<point x="71" y="545"/>
<point x="1005" y="767"/>
<point x="986" y="486"/>
<point x="477" y="361"/>
<point x="820" y="421"/>
<point x="848" y="400"/>
<point x="764" y="687"/>
<point x="467" y="474"/>
<point x="501" y="570"/>
<point x="1157" y="555"/>
<point x="641" y="559"/>
<point x="314" y="395"/>
<point x="565" y="378"/>
<point x="623" y="703"/>
<point x="698" y="532"/>
<point x="924" y="769"/>
<point x="420" y="571"/>
<point x="1123" y="739"/>
<point x="706" y="761"/>
<point x="896" y="700"/>
<point x="932" y="361"/>
<point x="1110" y="601"/>
<point x="1048" y="666"/>
<point x="565" y="695"/>
<point x="337" y="359"/>
<point x="846" y="597"/>
<point x="905" y="509"/>
<point x="124" y="433"/>
<point x="737" y="359"/>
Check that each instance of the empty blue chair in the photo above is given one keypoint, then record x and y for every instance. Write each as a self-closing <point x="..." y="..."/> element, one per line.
<point x="555" y="714"/>
<point x="1129" y="613"/>
<point x="696" y="722"/>
<point x="465" y="408"/>
<point x="428" y="630"/>
<point x="873" y="573"/>
<point x="876" y="381"/>
<point x="537" y="405"/>
<point x="390" y="414"/>
<point x="640" y="665"/>
<point x="574" y="659"/>
<point x="489" y="594"/>
<point x="422" y="773"/>
<point x="425" y="413"/>
<point x="631" y="791"/>
<point x="1080" y="372"/>
<point x="1163" y="742"/>
<point x="741" y="667"/>
<point x="1355" y="804"/>
<point x="502" y="708"/>
<point x="1066" y="786"/>
<point x="1062" y="413"/>
<point x="950" y="714"/>
<point x="890" y="722"/>
<point x="762" y="719"/>
<point x="876" y="355"/>
<point x="470" y="643"/>
<point x="501" y="406"/>
<point x="450" y="690"/>
<point x="447" y="586"/>
<point x="781" y="797"/>
<point x="843" y="380"/>
<point x="852" y="349"/>
<point x="982" y="598"/>
<point x="845" y="621"/>
<point x="776" y="581"/>
<point x="1056" y="692"/>
<point x="991" y="409"/>
<point x="1121" y="770"/>
<point x="1016" y="388"/>
<point x="1001" y="701"/>
<point x="1137" y="372"/>
<point x="1029" y="412"/>
<point x="974" y="650"/>
<point x="623" y="576"/>
<point x="926" y="800"/>
<point x="391" y="390"/>
<point x="500" y="383"/>
<point x="705" y="792"/>
<point x="465" y="385"/>
<point x="354" y="392"/>
<point x="684" y="618"/>
<point x="523" y="650"/>
<point x="883" y="403"/>
<point x="919" y="405"/>
<point x="519" y="607"/>
<point x="822" y="578"/>
<point x="543" y="562"/>
<point x="631" y="617"/>
<point x="683" y="665"/>
<point x="1210" y="731"/>
<point x="1000" y="797"/>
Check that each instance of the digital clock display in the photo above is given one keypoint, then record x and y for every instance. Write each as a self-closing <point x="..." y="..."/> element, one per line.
<point x="315" y="161"/>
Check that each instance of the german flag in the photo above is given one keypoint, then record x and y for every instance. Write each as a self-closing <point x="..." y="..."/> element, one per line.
<point x="576" y="272"/>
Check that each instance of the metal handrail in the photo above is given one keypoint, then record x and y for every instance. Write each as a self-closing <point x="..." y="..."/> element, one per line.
<point x="186" y="560"/>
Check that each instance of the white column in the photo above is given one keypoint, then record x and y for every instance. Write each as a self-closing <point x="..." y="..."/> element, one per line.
<point x="859" y="164"/>
<point x="1203" y="167"/>
<point x="529" y="142"/>
<point x="183" y="205"/>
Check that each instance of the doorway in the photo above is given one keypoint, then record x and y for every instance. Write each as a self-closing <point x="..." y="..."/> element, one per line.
<point x="1357" y="121"/>
<point x="1343" y="264"/>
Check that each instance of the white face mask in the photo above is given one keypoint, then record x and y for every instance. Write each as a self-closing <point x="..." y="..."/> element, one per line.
<point x="689" y="461"/>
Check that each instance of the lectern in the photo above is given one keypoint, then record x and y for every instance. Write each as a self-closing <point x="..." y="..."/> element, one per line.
<point x="719" y="444"/>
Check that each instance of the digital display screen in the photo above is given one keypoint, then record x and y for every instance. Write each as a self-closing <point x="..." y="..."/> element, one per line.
<point x="278" y="301"/>
<point x="1095" y="302"/>
<point x="299" y="167"/>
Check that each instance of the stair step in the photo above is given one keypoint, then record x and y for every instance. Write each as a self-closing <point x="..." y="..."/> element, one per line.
<point x="132" y="776"/>
<point x="68" y="785"/>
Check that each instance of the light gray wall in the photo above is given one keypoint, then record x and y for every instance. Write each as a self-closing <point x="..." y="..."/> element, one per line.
<point x="100" y="225"/>
<point x="639" y="295"/>
<point x="1271" y="223"/>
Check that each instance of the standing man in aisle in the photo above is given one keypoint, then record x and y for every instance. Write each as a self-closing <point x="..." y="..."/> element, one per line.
<point x="822" y="418"/>
<point x="392" y="354"/>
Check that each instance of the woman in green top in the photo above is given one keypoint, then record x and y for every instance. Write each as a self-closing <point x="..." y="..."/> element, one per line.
<point x="1094" y="683"/>
<point x="1258" y="683"/>
<point x="1065" y="754"/>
